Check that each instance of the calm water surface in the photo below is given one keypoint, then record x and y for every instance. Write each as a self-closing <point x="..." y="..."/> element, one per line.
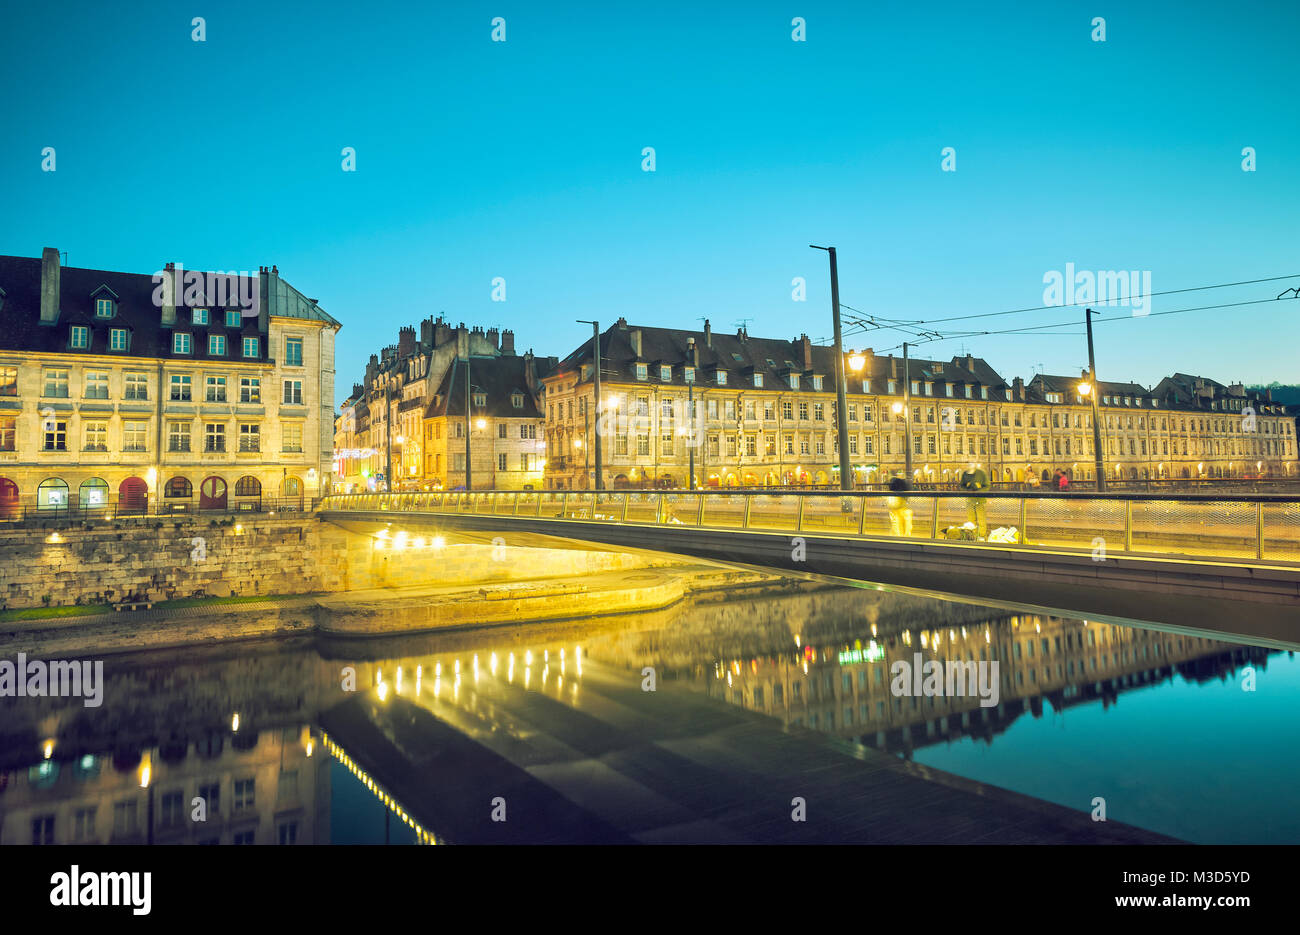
<point x="271" y="736"/>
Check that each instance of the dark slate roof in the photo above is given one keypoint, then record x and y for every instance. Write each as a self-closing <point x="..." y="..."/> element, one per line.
<point x="498" y="377"/>
<point x="742" y="356"/>
<point x="21" y="328"/>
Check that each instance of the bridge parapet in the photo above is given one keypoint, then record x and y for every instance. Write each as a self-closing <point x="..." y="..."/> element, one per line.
<point x="1238" y="529"/>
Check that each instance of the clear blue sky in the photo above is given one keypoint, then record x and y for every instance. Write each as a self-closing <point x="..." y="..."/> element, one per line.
<point x="523" y="160"/>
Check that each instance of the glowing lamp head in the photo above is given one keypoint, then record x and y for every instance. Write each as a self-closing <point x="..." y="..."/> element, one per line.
<point x="1085" y="389"/>
<point x="481" y="423"/>
<point x="857" y="362"/>
<point x="897" y="408"/>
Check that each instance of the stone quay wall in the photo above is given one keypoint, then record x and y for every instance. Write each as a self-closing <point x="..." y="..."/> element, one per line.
<point x="156" y="559"/>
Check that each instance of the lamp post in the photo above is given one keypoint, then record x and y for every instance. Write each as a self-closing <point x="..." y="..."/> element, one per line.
<point x="1092" y="394"/>
<point x="595" y="361"/>
<point x="690" y="420"/>
<point x="469" y="396"/>
<point x="841" y="381"/>
<point x="907" y="414"/>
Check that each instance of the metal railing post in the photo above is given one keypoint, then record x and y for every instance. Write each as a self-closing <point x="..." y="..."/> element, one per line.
<point x="623" y="516"/>
<point x="699" y="512"/>
<point x="514" y="510"/>
<point x="862" y="516"/>
<point x="934" y="517"/>
<point x="798" y="522"/>
<point x="1128" y="525"/>
<point x="749" y="502"/>
<point x="564" y="503"/>
<point x="1024" y="518"/>
<point x="1259" y="529"/>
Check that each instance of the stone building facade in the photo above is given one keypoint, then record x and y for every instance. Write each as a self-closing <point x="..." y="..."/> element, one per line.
<point x="761" y="412"/>
<point x="139" y="391"/>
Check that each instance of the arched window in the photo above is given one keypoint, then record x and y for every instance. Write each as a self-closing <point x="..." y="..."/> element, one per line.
<point x="248" y="486"/>
<point x="93" y="494"/>
<point x="52" y="494"/>
<point x="178" y="487"/>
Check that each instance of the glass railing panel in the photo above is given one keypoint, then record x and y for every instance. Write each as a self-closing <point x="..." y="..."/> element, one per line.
<point x="1074" y="522"/>
<point x="774" y="511"/>
<point x="1281" y="531"/>
<point x="1194" y="527"/>
<point x="724" y="510"/>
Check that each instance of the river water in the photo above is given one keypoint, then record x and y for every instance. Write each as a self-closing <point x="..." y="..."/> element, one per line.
<point x="330" y="741"/>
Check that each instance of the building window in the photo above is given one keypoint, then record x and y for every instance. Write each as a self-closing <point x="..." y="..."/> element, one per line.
<point x="245" y="790"/>
<point x="688" y="374"/>
<point x="666" y="374"/>
<point x="95" y="436"/>
<point x="216" y="389"/>
<point x="501" y="462"/>
<point x="250" y="390"/>
<point x="134" y="436"/>
<point x="480" y="400"/>
<point x="758" y="380"/>
<point x="293" y="392"/>
<point x="803" y="412"/>
<point x="79" y="337"/>
<point x="103" y="308"/>
<point x="292" y="436"/>
<point x="232" y="318"/>
<point x="56" y="384"/>
<point x="517" y="400"/>
<point x="56" y="436"/>
<point x="199" y="316"/>
<point x="289" y="832"/>
<point x="8" y="433"/>
<point x="250" y="347"/>
<point x="8" y="381"/>
<point x="216" y="345"/>
<point x="787" y="410"/>
<point x="180" y="388"/>
<point x="214" y="437"/>
<point x="794" y="381"/>
<point x="641" y="371"/>
<point x="293" y="352"/>
<point x="178" y="436"/>
<point x="250" y="436"/>
<point x="84" y="827"/>
<point x="819" y="412"/>
<point x="722" y="378"/>
<point x="117" y="339"/>
<point x="172" y="809"/>
<point x="180" y="344"/>
<point x="43" y="829"/>
<point x="135" y="386"/>
<point x="96" y="384"/>
<point x="817" y="383"/>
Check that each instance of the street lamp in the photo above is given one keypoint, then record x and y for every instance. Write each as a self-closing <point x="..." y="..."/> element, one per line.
<point x="841" y="380"/>
<point x="1088" y="390"/>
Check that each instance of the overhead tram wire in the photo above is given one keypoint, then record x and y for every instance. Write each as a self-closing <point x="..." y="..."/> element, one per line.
<point x="874" y="319"/>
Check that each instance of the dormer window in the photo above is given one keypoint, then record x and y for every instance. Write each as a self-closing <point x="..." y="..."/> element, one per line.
<point x="118" y="339"/>
<point x="688" y="374"/>
<point x="216" y="345"/>
<point x="758" y="381"/>
<point x="79" y="336"/>
<point x="984" y="392"/>
<point x="199" y="316"/>
<point x="794" y="381"/>
<point x="181" y="343"/>
<point x="642" y="371"/>
<point x="517" y="400"/>
<point x="666" y="374"/>
<point x="722" y="378"/>
<point x="104" y="308"/>
<point x="232" y="318"/>
<point x="817" y="383"/>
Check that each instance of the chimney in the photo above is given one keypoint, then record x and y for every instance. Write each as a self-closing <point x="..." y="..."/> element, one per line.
<point x="622" y="324"/>
<point x="372" y="369"/>
<point x="171" y="288"/>
<point x="494" y="338"/>
<point x="1018" y="388"/>
<point x="405" y="342"/>
<point x="507" y="343"/>
<point x="426" y="332"/>
<point x="708" y="334"/>
<point x="693" y="352"/>
<point x="530" y="373"/>
<point x="357" y="390"/>
<point x="893" y="367"/>
<point x="635" y="338"/>
<point x="50" y="281"/>
<point x="441" y="332"/>
<point x="970" y="363"/>
<point x="807" y="351"/>
<point x="741" y="334"/>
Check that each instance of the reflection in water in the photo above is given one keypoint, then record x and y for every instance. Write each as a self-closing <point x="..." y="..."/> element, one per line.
<point x="236" y="731"/>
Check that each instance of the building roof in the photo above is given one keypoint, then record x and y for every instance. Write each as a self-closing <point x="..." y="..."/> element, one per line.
<point x="499" y="378"/>
<point x="138" y="311"/>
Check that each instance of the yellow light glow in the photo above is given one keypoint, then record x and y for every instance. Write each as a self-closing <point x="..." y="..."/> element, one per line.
<point x="577" y="443"/>
<point x="383" y="691"/>
<point x="857" y="362"/>
<point x="49" y="749"/>
<point x="897" y="408"/>
<point x="1085" y="389"/>
<point x="438" y="542"/>
<point x="234" y="724"/>
<point x="481" y="423"/>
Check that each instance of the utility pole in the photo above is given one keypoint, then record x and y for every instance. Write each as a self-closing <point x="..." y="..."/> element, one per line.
<point x="1096" y="414"/>
<point x="841" y="384"/>
<point x="469" y="396"/>
<point x="595" y="359"/>
<point x="907" y="414"/>
<point x="690" y="420"/>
